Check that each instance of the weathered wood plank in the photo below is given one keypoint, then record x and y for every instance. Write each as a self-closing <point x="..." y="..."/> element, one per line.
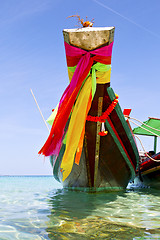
<point x="89" y="38"/>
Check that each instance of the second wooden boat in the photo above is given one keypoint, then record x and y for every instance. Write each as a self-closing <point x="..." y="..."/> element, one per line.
<point x="149" y="168"/>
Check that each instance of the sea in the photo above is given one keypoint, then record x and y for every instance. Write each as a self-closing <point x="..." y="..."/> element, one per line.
<point x="37" y="207"/>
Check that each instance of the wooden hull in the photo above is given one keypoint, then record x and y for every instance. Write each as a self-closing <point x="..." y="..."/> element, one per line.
<point x="150" y="172"/>
<point x="107" y="162"/>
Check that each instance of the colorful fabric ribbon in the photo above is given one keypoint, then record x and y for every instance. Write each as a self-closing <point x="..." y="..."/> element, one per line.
<point x="75" y="133"/>
<point x="100" y="74"/>
<point x="81" y="89"/>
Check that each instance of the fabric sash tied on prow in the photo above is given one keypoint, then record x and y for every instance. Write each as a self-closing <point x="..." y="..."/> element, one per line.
<point x="85" y="70"/>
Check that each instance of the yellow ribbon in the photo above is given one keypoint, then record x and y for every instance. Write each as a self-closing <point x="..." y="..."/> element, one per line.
<point x="75" y="129"/>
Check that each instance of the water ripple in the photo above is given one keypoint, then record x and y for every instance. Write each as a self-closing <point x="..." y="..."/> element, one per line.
<point x="34" y="208"/>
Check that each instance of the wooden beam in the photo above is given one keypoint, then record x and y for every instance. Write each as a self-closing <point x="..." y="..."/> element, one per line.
<point x="150" y="170"/>
<point x="100" y="105"/>
<point x="155" y="144"/>
<point x="89" y="38"/>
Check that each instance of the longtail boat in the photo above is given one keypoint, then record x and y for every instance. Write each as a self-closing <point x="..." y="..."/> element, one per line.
<point x="149" y="168"/>
<point x="91" y="146"/>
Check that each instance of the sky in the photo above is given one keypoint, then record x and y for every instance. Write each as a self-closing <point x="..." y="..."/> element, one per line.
<point x="32" y="56"/>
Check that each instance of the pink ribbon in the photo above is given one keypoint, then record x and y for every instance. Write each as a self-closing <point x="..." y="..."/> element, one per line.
<point x="53" y="143"/>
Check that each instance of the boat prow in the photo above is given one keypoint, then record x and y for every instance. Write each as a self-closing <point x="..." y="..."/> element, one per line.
<point x="97" y="150"/>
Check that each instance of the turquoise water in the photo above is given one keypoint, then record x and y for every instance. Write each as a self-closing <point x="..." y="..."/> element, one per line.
<point x="37" y="208"/>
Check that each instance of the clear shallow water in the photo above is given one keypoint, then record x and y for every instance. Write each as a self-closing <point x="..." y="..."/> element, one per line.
<point x="36" y="208"/>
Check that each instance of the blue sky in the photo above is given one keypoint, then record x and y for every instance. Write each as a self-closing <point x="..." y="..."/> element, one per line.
<point x="32" y="56"/>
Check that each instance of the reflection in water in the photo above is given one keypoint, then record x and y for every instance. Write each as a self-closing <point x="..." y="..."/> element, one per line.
<point x="79" y="215"/>
<point x="78" y="204"/>
<point x="31" y="209"/>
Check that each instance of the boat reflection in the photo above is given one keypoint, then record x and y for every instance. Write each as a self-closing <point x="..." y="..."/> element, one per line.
<point x="79" y="215"/>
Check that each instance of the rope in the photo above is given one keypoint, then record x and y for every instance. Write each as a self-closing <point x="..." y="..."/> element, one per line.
<point x="146" y="152"/>
<point x="142" y="123"/>
<point x="143" y="127"/>
<point x="139" y="138"/>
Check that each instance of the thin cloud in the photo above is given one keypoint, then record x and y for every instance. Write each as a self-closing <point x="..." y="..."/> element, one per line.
<point x="126" y="18"/>
<point x="20" y="9"/>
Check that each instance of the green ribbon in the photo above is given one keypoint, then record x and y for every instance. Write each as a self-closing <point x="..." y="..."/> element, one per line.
<point x="96" y="67"/>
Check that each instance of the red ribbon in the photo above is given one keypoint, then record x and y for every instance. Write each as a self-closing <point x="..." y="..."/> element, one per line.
<point x="84" y="61"/>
